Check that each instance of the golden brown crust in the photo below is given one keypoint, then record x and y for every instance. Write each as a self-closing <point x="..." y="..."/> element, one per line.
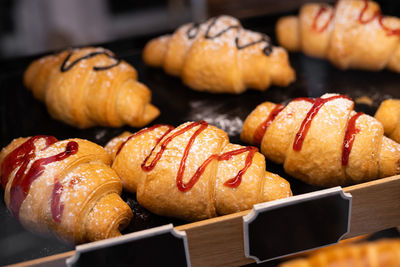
<point x="90" y="207"/>
<point x="388" y="114"/>
<point x="384" y="253"/>
<point x="83" y="96"/>
<point x="319" y="161"/>
<point x="157" y="189"/>
<point x="353" y="34"/>
<point x="220" y="65"/>
<point x="291" y="37"/>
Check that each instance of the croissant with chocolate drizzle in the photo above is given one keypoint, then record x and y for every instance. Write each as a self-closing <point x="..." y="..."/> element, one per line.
<point x="89" y="86"/>
<point x="323" y="141"/>
<point x="192" y="172"/>
<point x="352" y="35"/>
<point x="65" y="188"/>
<point x="219" y="56"/>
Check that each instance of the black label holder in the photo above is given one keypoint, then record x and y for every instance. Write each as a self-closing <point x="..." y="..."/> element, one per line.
<point x="344" y="212"/>
<point x="129" y="238"/>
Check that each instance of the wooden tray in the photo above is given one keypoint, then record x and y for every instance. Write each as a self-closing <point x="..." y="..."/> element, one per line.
<point x="219" y="241"/>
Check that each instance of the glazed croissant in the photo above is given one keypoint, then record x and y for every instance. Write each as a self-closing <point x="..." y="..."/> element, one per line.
<point x="219" y="56"/>
<point x="384" y="253"/>
<point x="353" y="34"/>
<point x="323" y="141"/>
<point x="89" y="86"/>
<point x="193" y="172"/>
<point x="63" y="187"/>
<point x="388" y="114"/>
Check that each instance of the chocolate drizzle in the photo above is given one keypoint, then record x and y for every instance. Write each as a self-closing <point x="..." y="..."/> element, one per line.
<point x="193" y="31"/>
<point x="213" y="22"/>
<point x="267" y="50"/>
<point x="66" y="67"/>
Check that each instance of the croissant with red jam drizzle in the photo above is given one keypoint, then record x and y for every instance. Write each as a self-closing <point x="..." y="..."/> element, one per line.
<point x="65" y="188"/>
<point x="323" y="141"/>
<point x="352" y="35"/>
<point x="192" y="172"/>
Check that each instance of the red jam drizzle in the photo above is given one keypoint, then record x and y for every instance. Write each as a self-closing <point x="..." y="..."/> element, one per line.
<point x="22" y="182"/>
<point x="184" y="187"/>
<point x="388" y="30"/>
<point x="363" y="10"/>
<point x="349" y="137"/>
<point x="262" y="128"/>
<point x="360" y="19"/>
<point x="57" y="207"/>
<point x="21" y="156"/>
<point x="305" y="125"/>
<point x="321" y="11"/>
<point x="170" y="128"/>
<point x="235" y="181"/>
<point x="380" y="17"/>
<point x="203" y="126"/>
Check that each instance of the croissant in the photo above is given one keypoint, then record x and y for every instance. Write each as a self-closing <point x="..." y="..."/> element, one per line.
<point x="219" y="56"/>
<point x="89" y="86"/>
<point x="388" y="114"/>
<point x="65" y="188"/>
<point x="192" y="172"/>
<point x="385" y="253"/>
<point x="352" y="34"/>
<point x="323" y="141"/>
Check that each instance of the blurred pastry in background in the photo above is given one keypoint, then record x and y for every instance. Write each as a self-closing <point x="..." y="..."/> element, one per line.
<point x="220" y="56"/>
<point x="381" y="253"/>
<point x="351" y="35"/>
<point x="388" y="114"/>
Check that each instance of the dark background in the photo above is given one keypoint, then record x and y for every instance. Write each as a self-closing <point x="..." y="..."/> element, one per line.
<point x="35" y="26"/>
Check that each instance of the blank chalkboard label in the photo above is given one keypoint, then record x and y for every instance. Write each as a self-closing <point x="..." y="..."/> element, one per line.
<point x="283" y="227"/>
<point x="160" y="246"/>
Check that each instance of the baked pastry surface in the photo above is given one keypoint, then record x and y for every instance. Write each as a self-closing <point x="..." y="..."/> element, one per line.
<point x="388" y="114"/>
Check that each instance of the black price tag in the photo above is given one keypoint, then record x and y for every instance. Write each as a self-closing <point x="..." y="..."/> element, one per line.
<point x="160" y="246"/>
<point x="283" y="227"/>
